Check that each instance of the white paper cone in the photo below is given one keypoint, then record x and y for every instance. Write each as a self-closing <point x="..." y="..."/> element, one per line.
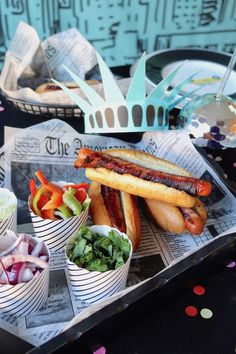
<point x="93" y="286"/>
<point x="24" y="298"/>
<point x="9" y="223"/>
<point x="55" y="233"/>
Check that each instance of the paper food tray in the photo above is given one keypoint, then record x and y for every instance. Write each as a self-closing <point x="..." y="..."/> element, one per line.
<point x="129" y="309"/>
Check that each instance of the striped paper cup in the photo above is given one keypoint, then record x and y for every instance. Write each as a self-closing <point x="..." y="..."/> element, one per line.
<point x="24" y="298"/>
<point x="94" y="286"/>
<point x="9" y="223"/>
<point x="55" y="233"/>
<point x="9" y="220"/>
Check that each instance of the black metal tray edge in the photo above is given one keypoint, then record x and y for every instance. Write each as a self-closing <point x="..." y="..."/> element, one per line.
<point x="218" y="170"/>
<point x="121" y="304"/>
<point x="158" y="281"/>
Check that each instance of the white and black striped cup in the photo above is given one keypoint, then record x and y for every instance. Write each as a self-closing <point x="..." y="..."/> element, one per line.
<point x="93" y="286"/>
<point x="9" y="223"/>
<point x="55" y="233"/>
<point x="24" y="298"/>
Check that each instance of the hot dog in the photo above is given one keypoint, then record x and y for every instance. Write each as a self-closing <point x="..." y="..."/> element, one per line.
<point x="52" y="86"/>
<point x="138" y="179"/>
<point x="167" y="216"/>
<point x="171" y="218"/>
<point x="177" y="220"/>
<point x="193" y="222"/>
<point x="116" y="209"/>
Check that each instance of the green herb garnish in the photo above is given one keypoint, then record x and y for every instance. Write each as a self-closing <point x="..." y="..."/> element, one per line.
<point x="96" y="252"/>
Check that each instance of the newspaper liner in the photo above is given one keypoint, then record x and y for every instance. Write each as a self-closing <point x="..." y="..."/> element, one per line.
<point x="25" y="298"/>
<point x="37" y="145"/>
<point x="55" y="233"/>
<point x="93" y="286"/>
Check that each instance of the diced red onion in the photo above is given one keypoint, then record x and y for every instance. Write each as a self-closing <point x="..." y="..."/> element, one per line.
<point x="37" y="249"/>
<point x="12" y="247"/>
<point x="44" y="258"/>
<point x="9" y="260"/>
<point x="25" y="275"/>
<point x="15" y="271"/>
<point x="21" y="260"/>
<point x="6" y="241"/>
<point x="3" y="278"/>
<point x="23" y="247"/>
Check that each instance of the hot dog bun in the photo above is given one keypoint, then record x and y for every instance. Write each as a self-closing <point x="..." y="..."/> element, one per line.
<point x="123" y="174"/>
<point x="121" y="212"/>
<point x="52" y="86"/>
<point x="132" y="218"/>
<point x="136" y="186"/>
<point x="149" y="161"/>
<point x="97" y="207"/>
<point x="177" y="220"/>
<point x="167" y="216"/>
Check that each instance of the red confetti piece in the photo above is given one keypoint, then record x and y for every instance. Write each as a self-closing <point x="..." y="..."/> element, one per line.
<point x="199" y="290"/>
<point x="191" y="311"/>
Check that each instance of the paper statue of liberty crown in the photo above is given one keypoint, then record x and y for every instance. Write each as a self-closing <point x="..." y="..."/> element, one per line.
<point x="135" y="113"/>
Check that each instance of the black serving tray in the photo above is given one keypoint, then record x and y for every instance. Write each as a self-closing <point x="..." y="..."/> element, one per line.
<point x="116" y="319"/>
<point x="112" y="326"/>
<point x="121" y="317"/>
<point x="123" y="323"/>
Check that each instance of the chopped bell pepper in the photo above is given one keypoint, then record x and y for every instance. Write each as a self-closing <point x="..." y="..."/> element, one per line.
<point x="36" y="199"/>
<point x="51" y="201"/>
<point x="80" y="195"/>
<point x="45" y="197"/>
<point x="72" y="203"/>
<point x="66" y="212"/>
<point x="32" y="186"/>
<point x="77" y="186"/>
<point x="48" y="214"/>
<point x="39" y="174"/>
<point x="56" y="198"/>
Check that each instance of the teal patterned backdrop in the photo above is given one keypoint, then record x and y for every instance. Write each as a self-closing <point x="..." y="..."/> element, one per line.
<point x="121" y="29"/>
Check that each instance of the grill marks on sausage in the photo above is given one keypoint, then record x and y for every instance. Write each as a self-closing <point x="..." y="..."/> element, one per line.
<point x="193" y="222"/>
<point x="94" y="159"/>
<point x="112" y="202"/>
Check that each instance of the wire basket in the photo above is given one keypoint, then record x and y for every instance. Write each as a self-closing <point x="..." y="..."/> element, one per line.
<point x="47" y="110"/>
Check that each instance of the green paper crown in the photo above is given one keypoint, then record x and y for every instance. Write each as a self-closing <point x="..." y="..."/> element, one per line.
<point x="135" y="113"/>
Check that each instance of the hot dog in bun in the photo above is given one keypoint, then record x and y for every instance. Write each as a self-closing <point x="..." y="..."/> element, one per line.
<point x="129" y="171"/>
<point x="116" y="209"/>
<point x="177" y="220"/>
<point x="52" y="86"/>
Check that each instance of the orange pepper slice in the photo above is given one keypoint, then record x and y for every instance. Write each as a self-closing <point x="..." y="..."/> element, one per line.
<point x="56" y="197"/>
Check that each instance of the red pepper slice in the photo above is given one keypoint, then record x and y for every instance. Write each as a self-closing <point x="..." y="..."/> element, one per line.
<point x="43" y="200"/>
<point x="56" y="198"/>
<point x="48" y="214"/>
<point x="39" y="174"/>
<point x="80" y="195"/>
<point x="77" y="186"/>
<point x="32" y="186"/>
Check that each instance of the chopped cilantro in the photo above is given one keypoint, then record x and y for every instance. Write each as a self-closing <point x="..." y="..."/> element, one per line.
<point x="96" y="252"/>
